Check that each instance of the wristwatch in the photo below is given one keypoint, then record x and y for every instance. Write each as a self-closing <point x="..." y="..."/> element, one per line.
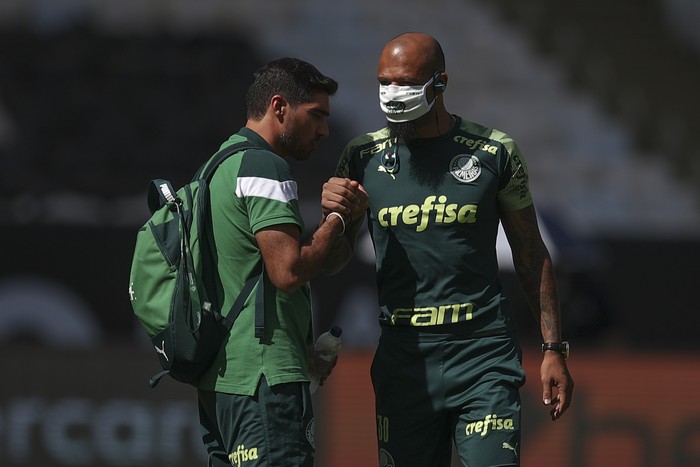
<point x="561" y="347"/>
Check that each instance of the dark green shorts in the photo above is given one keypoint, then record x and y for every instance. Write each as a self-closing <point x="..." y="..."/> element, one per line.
<point x="273" y="427"/>
<point x="431" y="389"/>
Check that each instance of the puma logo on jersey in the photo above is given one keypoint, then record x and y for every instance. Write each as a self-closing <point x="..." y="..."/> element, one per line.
<point x="508" y="446"/>
<point x="381" y="168"/>
<point x="162" y="350"/>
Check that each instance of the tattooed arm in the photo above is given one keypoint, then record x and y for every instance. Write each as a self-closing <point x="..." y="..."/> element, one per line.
<point x="535" y="272"/>
<point x="533" y="266"/>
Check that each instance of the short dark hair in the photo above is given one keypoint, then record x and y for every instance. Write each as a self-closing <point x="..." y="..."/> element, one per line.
<point x="294" y="79"/>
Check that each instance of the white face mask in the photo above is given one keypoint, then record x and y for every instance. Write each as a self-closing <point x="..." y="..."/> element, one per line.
<point x="404" y="103"/>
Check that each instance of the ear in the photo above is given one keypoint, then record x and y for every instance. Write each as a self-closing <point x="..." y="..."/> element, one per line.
<point x="278" y="105"/>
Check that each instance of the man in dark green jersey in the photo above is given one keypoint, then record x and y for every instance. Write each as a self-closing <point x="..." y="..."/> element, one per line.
<point x="254" y="402"/>
<point x="448" y="364"/>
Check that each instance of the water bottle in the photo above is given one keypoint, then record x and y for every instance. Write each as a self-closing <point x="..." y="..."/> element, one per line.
<point x="327" y="347"/>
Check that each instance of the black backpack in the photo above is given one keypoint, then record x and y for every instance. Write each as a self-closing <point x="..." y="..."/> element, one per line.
<point x="173" y="282"/>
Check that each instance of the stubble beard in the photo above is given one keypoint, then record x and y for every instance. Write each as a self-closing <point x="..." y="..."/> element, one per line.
<point x="292" y="144"/>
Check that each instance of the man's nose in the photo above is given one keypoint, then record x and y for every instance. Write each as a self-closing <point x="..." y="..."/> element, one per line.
<point x="323" y="130"/>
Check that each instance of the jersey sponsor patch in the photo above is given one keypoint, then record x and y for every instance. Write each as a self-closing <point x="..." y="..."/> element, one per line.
<point x="434" y="209"/>
<point x="491" y="422"/>
<point x="242" y="455"/>
<point x="465" y="168"/>
<point x="432" y="315"/>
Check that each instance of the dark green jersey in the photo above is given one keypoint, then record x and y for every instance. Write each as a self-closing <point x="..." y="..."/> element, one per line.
<point x="433" y="215"/>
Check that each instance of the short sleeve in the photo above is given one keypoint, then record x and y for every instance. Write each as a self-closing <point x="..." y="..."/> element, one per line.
<point x="268" y="189"/>
<point x="514" y="192"/>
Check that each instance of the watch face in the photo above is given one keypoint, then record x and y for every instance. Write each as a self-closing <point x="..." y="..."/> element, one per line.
<point x="565" y="349"/>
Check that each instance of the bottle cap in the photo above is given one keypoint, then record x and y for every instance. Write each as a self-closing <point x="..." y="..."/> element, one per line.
<point x="336" y="331"/>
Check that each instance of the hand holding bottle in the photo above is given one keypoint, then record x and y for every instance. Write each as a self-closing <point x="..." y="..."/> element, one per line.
<point x="324" y="357"/>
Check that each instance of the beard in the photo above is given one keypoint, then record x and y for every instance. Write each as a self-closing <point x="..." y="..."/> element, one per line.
<point x="402" y="130"/>
<point x="292" y="145"/>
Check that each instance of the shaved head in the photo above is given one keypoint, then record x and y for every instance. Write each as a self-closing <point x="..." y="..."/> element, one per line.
<point x="419" y="49"/>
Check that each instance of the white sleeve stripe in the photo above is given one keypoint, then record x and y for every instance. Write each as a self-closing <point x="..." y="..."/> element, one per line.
<point x="266" y="188"/>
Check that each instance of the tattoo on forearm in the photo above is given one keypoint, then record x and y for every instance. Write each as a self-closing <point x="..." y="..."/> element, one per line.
<point x="536" y="276"/>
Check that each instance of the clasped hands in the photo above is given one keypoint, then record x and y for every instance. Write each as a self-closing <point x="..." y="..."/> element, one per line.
<point x="344" y="196"/>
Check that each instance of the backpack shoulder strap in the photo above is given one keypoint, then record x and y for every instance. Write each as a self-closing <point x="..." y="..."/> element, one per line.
<point x="206" y="172"/>
<point x="237" y="306"/>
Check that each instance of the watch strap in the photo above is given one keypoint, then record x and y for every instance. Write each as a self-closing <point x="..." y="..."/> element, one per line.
<point x="561" y="347"/>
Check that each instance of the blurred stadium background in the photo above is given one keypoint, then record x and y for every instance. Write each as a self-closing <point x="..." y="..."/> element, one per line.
<point x="99" y="96"/>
